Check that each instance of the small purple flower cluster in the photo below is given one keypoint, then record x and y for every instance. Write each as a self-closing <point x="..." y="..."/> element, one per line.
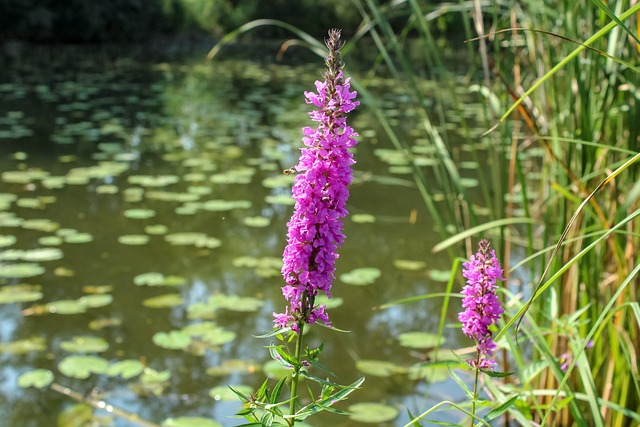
<point x="482" y="306"/>
<point x="320" y="193"/>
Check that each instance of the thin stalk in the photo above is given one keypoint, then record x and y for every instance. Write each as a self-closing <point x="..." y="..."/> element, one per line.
<point x="296" y="376"/>
<point x="475" y="390"/>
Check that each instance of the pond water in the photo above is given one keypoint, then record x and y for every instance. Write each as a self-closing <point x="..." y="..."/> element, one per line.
<point x="143" y="214"/>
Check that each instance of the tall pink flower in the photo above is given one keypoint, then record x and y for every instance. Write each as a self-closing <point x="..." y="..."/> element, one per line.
<point x="481" y="304"/>
<point x="320" y="193"/>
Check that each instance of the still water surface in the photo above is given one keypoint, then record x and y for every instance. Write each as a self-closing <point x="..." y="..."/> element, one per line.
<point x="140" y="198"/>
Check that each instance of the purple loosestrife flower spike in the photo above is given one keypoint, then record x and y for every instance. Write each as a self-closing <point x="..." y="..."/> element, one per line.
<point x="320" y="193"/>
<point x="481" y="305"/>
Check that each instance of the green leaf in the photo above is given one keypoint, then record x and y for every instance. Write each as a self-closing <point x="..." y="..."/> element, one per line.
<point x="126" y="369"/>
<point x="85" y="344"/>
<point x="421" y="340"/>
<point x="374" y="413"/>
<point x="496" y="412"/>
<point x="361" y="276"/>
<point x="82" y="367"/>
<point x="173" y="340"/>
<point x="190" y="422"/>
<point x="38" y="378"/>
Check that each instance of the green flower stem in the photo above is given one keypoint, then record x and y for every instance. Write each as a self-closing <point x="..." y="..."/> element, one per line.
<point x="475" y="391"/>
<point x="294" y="380"/>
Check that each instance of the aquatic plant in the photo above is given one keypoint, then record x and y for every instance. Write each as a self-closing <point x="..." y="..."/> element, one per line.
<point x="314" y="236"/>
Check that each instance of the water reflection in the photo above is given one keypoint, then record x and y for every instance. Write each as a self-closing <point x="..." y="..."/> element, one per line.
<point x="195" y="144"/>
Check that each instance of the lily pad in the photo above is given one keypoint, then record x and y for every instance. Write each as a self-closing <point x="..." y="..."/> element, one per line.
<point x="363" y="218"/>
<point x="224" y="393"/>
<point x="23" y="346"/>
<point x="78" y="238"/>
<point x="19" y="293"/>
<point x="45" y="225"/>
<point x="429" y="373"/>
<point x="378" y="368"/>
<point x="42" y="254"/>
<point x="361" y="276"/>
<point x="233" y="366"/>
<point x="139" y="213"/>
<point x="374" y="413"/>
<point x="225" y="205"/>
<point x="82" y="367"/>
<point x="190" y="422"/>
<point x="96" y="300"/>
<point x="157" y="229"/>
<point x="85" y="344"/>
<point x="410" y="265"/>
<point x="163" y="301"/>
<point x="126" y="369"/>
<point x="21" y="270"/>
<point x="280" y="199"/>
<point x="151" y="376"/>
<point x="329" y="303"/>
<point x="134" y="239"/>
<point x="38" y="378"/>
<point x="186" y="238"/>
<point x="440" y="275"/>
<point x="173" y="340"/>
<point x="7" y="240"/>
<point x="219" y="337"/>
<point x="256" y="221"/>
<point x="420" y="340"/>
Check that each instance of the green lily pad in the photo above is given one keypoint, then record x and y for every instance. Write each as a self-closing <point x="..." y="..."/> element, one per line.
<point x="410" y="265"/>
<point x="329" y="303"/>
<point x="374" y="413"/>
<point x="429" y="373"/>
<point x="78" y="238"/>
<point x="85" y="344"/>
<point x="95" y="301"/>
<point x="256" y="221"/>
<point x="190" y="422"/>
<point x="225" y="205"/>
<point x="420" y="340"/>
<point x="156" y="230"/>
<point x="21" y="270"/>
<point x="440" y="275"/>
<point x="280" y="199"/>
<point x="158" y="279"/>
<point x="107" y="189"/>
<point x="163" y="301"/>
<point x="23" y="346"/>
<point x="50" y="241"/>
<point x="199" y="329"/>
<point x="7" y="240"/>
<point x="82" y="367"/>
<point x="38" y="378"/>
<point x="232" y="366"/>
<point x="42" y="254"/>
<point x="378" y="368"/>
<point x="224" y="393"/>
<point x="45" y="225"/>
<point x="78" y="415"/>
<point x="66" y="306"/>
<point x="151" y="376"/>
<point x="275" y="370"/>
<point x="363" y="218"/>
<point x="126" y="369"/>
<point x="186" y="238"/>
<point x="139" y="213"/>
<point x="361" y="276"/>
<point x="279" y="181"/>
<point x="173" y="340"/>
<point x="153" y="181"/>
<point x="134" y="239"/>
<point x="19" y="293"/>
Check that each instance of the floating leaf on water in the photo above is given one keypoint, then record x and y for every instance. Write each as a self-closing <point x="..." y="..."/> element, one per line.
<point x="173" y="340"/>
<point x="199" y="329"/>
<point x="64" y="272"/>
<point x="82" y="367"/>
<point x="329" y="303"/>
<point x="38" y="378"/>
<point x="107" y="189"/>
<point x="54" y="182"/>
<point x="95" y="301"/>
<point x="45" y="225"/>
<point x="361" y="276"/>
<point x="378" y="368"/>
<point x="363" y="218"/>
<point x="98" y="324"/>
<point x="23" y="346"/>
<point x="279" y="181"/>
<point x="209" y="243"/>
<point x="42" y="254"/>
<point x="153" y="181"/>
<point x="77" y="238"/>
<point x="411" y="265"/>
<point x="133" y="194"/>
<point x="440" y="275"/>
<point x="7" y="240"/>
<point x="139" y="213"/>
<point x="256" y="221"/>
<point x="151" y="376"/>
<point x="50" y="241"/>
<point x="224" y="393"/>
<point x="275" y="370"/>
<point x="126" y="369"/>
<point x="21" y="270"/>
<point x="186" y="238"/>
<point x="19" y="293"/>
<point x="245" y="261"/>
<point x="65" y="306"/>
<point x="163" y="301"/>
<point x="190" y="422"/>
<point x="167" y="196"/>
<point x="420" y="340"/>
<point x="85" y="344"/>
<point x="157" y="229"/>
<point x="374" y="413"/>
<point x="149" y="279"/>
<point x="200" y="190"/>
<point x="78" y="415"/>
<point x="30" y="203"/>
<point x="234" y="302"/>
<point x="97" y="289"/>
<point x="280" y="199"/>
<point x="134" y="239"/>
